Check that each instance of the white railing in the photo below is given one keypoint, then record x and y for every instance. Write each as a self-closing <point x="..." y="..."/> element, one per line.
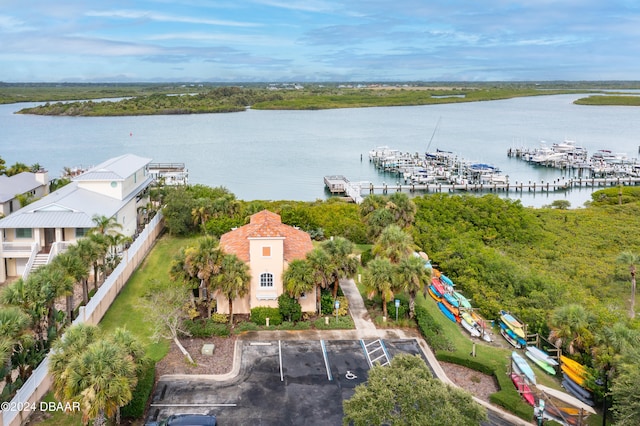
<point x="57" y="248"/>
<point x="38" y="384"/>
<point x="14" y="248"/>
<point x="35" y="248"/>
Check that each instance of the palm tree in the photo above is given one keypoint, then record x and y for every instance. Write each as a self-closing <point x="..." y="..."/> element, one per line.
<point x="402" y="208"/>
<point x="320" y="262"/>
<point x="14" y="335"/>
<point x="202" y="212"/>
<point x="98" y="372"/>
<point x="26" y="296"/>
<point x="105" y="224"/>
<point x="298" y="278"/>
<point x="394" y="244"/>
<point x="74" y="341"/>
<point x="232" y="280"/>
<point x="52" y="282"/>
<point x="204" y="262"/>
<point x="99" y="247"/>
<point x="412" y="277"/>
<point x="570" y="326"/>
<point x="85" y="249"/>
<point x="612" y="343"/>
<point x="631" y="259"/>
<point x="377" y="221"/>
<point x="74" y="267"/>
<point x="378" y="280"/>
<point x="342" y="260"/>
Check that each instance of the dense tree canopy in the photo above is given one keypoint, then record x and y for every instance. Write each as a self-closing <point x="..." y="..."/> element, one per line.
<point x="404" y="393"/>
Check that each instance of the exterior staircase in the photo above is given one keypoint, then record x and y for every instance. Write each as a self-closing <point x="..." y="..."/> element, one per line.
<point x="41" y="259"/>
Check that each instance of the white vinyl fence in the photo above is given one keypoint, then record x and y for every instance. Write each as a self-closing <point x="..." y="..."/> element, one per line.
<point x="28" y="398"/>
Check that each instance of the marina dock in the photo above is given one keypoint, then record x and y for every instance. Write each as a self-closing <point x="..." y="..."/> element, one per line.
<point x="355" y="190"/>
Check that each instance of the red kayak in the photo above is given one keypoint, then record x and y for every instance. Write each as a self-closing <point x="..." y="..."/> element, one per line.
<point x="523" y="389"/>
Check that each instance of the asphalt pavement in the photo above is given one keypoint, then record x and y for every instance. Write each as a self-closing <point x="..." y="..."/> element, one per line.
<point x="297" y="377"/>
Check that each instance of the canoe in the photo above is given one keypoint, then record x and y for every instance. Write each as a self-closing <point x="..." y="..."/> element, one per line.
<point x="478" y="319"/>
<point x="512" y="323"/>
<point x="466" y="317"/>
<point x="508" y="338"/>
<point x="542" y="355"/>
<point x="540" y="363"/>
<point x="436" y="291"/>
<point x="454" y="311"/>
<point x="451" y="300"/>
<point x="573" y="390"/>
<point x="463" y="301"/>
<point x="560" y="416"/>
<point x="523" y="366"/>
<point x="446" y="312"/>
<point x="437" y="285"/>
<point x="446" y="280"/>
<point x="579" y="380"/>
<point x="577" y="368"/>
<point x="474" y="332"/>
<point x="585" y="393"/>
<point x="523" y="389"/>
<point x="434" y="295"/>
<point x="513" y="335"/>
<point x="566" y="398"/>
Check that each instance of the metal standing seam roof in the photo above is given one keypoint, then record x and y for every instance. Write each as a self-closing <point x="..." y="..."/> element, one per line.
<point x="117" y="168"/>
<point x="72" y="206"/>
<point x="18" y="184"/>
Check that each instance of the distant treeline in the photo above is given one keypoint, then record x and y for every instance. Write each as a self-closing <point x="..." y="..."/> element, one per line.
<point x="610" y="100"/>
<point x="150" y="99"/>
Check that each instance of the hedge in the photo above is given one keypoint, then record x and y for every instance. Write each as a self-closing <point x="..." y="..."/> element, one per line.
<point x="432" y="331"/>
<point x="136" y="407"/>
<point x="260" y="314"/>
<point x="206" y="328"/>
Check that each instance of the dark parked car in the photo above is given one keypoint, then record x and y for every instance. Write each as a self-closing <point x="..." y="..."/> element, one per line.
<point x="187" y="420"/>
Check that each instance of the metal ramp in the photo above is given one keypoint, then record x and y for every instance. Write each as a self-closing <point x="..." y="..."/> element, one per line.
<point x="376" y="352"/>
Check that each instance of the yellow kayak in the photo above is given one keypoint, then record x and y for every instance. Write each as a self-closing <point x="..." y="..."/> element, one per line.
<point x="578" y="379"/>
<point x="578" y="368"/>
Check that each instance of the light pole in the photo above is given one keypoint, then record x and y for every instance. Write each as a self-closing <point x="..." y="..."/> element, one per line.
<point x="397" y="305"/>
<point x="337" y="306"/>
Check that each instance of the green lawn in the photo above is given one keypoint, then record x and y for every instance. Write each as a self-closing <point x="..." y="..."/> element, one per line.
<point x="126" y="312"/>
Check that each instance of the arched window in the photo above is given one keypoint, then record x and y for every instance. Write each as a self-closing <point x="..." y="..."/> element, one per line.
<point x="266" y="280"/>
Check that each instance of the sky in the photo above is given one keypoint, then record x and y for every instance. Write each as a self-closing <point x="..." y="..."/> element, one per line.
<point x="318" y="40"/>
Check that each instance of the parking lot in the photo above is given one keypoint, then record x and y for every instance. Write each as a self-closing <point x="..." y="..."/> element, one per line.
<point x="281" y="382"/>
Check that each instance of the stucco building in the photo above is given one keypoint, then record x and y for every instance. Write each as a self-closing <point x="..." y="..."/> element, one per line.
<point x="32" y="235"/>
<point x="267" y="246"/>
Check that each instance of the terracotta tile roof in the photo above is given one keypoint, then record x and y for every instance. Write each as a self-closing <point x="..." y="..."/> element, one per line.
<point x="266" y="224"/>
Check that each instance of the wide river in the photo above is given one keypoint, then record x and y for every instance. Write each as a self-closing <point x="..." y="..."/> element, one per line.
<point x="278" y="155"/>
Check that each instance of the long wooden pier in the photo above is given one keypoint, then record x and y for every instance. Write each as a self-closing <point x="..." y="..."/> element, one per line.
<point x="341" y="185"/>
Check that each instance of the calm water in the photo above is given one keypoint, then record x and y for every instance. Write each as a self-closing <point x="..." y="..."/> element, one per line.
<point x="285" y="154"/>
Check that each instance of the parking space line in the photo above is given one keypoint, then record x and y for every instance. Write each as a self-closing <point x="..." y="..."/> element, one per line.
<point x="280" y="355"/>
<point x="326" y="359"/>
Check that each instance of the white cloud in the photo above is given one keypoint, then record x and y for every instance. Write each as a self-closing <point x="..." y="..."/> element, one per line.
<point x="161" y="17"/>
<point x="9" y="24"/>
